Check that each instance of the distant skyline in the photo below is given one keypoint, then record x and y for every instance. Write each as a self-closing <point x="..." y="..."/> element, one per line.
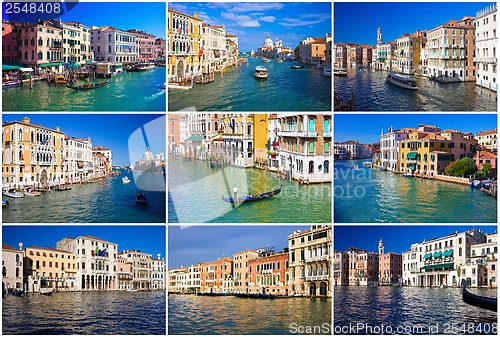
<point x="396" y="239"/>
<point x="147" y="239"/>
<point x="111" y="131"/>
<point x="357" y="22"/>
<point x="366" y="128"/>
<point x="146" y="16"/>
<point x="251" y="22"/>
<point x="190" y="245"/>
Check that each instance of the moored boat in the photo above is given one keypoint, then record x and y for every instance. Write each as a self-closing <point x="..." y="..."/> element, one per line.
<point x="327" y="72"/>
<point x="402" y="81"/>
<point x="297" y="67"/>
<point x="5" y="202"/>
<point x="340" y="72"/>
<point x="249" y="197"/>
<point x="475" y="184"/>
<point x="32" y="193"/>
<point x="13" y="83"/>
<point x="47" y="291"/>
<point x="60" y="79"/>
<point x="125" y="180"/>
<point x="266" y="60"/>
<point x="204" y="78"/>
<point x="140" y="199"/>
<point x="87" y="86"/>
<point x="261" y="72"/>
<point x="488" y="303"/>
<point x="13" y="193"/>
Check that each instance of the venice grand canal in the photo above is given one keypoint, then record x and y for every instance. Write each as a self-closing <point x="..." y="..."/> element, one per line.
<point x="373" y="93"/>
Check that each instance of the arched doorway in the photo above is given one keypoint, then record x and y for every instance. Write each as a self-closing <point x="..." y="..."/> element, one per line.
<point x="43" y="177"/>
<point x="180" y="69"/>
<point x="312" y="289"/>
<point x="322" y="289"/>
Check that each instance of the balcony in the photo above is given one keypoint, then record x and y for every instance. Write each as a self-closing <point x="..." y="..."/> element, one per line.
<point x="487" y="60"/>
<point x="268" y="271"/>
<point x="317" y="258"/>
<point x="327" y="133"/>
<point x="317" y="278"/>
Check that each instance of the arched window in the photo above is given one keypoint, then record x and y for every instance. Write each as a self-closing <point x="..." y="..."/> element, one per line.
<point x="311" y="147"/>
<point x="40" y="41"/>
<point x="311" y="125"/>
<point x="311" y="166"/>
<point x="20" y="134"/>
<point x="17" y="272"/>
<point x="4" y="271"/>
<point x="327" y="147"/>
<point x="32" y="41"/>
<point x="326" y="125"/>
<point x="326" y="165"/>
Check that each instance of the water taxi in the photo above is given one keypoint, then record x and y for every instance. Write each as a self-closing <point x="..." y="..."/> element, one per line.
<point x="402" y="81"/>
<point x="60" y="79"/>
<point x="266" y="60"/>
<point x="260" y="72"/>
<point x="340" y="72"/>
<point x="327" y="72"/>
<point x="125" y="180"/>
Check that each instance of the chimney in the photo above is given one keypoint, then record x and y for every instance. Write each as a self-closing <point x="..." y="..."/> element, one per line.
<point x="26" y="120"/>
<point x="20" y="246"/>
<point x="158" y="255"/>
<point x="195" y="15"/>
<point x="58" y="129"/>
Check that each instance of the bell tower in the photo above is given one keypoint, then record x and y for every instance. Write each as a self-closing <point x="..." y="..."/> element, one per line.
<point x="381" y="247"/>
<point x="379" y="36"/>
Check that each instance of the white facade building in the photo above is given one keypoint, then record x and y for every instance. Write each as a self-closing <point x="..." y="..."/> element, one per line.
<point x="96" y="262"/>
<point x="12" y="267"/>
<point x="486" y="44"/>
<point x="158" y="273"/>
<point x="78" y="162"/>
<point x="141" y="268"/>
<point x="389" y="149"/>
<point x="113" y="45"/>
<point x="214" y="46"/>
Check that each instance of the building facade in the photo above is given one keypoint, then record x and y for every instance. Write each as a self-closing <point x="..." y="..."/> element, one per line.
<point x="268" y="273"/>
<point x="486" y="43"/>
<point x="141" y="268"/>
<point x="389" y="148"/>
<point x="110" y="44"/>
<point x="12" y="267"/>
<point x="241" y="273"/>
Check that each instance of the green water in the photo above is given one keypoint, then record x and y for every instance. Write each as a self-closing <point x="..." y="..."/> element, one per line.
<point x="138" y="91"/>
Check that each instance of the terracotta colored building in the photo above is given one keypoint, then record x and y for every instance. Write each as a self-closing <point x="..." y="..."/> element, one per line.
<point x="242" y="270"/>
<point x="269" y="273"/>
<point x="485" y="157"/>
<point x="389" y="268"/>
<point x="9" y="42"/>
<point x="217" y="276"/>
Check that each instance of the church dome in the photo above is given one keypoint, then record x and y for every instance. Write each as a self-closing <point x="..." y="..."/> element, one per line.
<point x="268" y="42"/>
<point x="148" y="155"/>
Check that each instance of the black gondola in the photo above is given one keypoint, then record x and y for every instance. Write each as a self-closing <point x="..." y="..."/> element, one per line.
<point x="257" y="296"/>
<point x="483" y="302"/>
<point x="87" y="86"/>
<point x="140" y="199"/>
<point x="249" y="197"/>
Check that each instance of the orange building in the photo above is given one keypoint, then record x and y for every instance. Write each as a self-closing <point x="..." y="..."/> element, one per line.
<point x="242" y="270"/>
<point x="217" y="276"/>
<point x="269" y="273"/>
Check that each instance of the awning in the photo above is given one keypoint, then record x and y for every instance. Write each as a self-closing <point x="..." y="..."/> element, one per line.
<point x="26" y="69"/>
<point x="438" y="266"/>
<point x="53" y="64"/>
<point x="448" y="253"/>
<point x="6" y="67"/>
<point x="195" y="138"/>
<point x="437" y="255"/>
<point x="412" y="155"/>
<point x="427" y="256"/>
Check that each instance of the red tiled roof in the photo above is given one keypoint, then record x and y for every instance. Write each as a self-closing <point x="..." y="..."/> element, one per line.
<point x="7" y="247"/>
<point x="485" y="155"/>
<point x="490" y="132"/>
<point x="51" y="249"/>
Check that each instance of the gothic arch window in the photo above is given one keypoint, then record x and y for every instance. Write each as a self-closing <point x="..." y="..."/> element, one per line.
<point x="311" y="166"/>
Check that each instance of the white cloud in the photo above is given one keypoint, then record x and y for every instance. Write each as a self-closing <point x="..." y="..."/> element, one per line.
<point x="304" y="20"/>
<point x="249" y="24"/>
<point x="241" y="20"/>
<point x="268" y="18"/>
<point x="255" y="6"/>
<point x="178" y="7"/>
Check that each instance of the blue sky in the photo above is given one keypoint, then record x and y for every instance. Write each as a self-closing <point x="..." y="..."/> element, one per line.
<point x="366" y="128"/>
<point x="190" y="245"/>
<point x="396" y="238"/>
<point x="358" y="22"/>
<point x="111" y="131"/>
<point x="146" y="16"/>
<point x="148" y="239"/>
<point x="252" y="21"/>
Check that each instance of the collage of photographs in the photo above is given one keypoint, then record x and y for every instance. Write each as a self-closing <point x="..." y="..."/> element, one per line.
<point x="167" y="168"/>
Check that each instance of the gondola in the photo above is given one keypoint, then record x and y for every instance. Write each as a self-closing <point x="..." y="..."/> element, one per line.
<point x="140" y="199"/>
<point x="249" y="197"/>
<point x="483" y="302"/>
<point x="87" y="86"/>
<point x="257" y="296"/>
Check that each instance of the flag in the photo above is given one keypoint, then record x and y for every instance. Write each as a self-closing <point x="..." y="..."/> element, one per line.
<point x="180" y="29"/>
<point x="201" y="52"/>
<point x="97" y="251"/>
<point x="103" y="252"/>
<point x="189" y="47"/>
<point x="176" y="48"/>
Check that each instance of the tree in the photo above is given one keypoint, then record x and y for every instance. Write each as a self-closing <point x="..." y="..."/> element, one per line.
<point x="487" y="169"/>
<point x="464" y="166"/>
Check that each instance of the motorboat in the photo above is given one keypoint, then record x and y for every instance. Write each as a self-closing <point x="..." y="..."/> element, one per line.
<point x="125" y="180"/>
<point x="475" y="183"/>
<point x="402" y="81"/>
<point x="327" y="72"/>
<point x="488" y="303"/>
<point x="12" y="83"/>
<point x="261" y="72"/>
<point x="32" y="193"/>
<point x="297" y="67"/>
<point x="367" y="164"/>
<point x="407" y="175"/>
<point x="266" y="60"/>
<point x="13" y="193"/>
<point x="47" y="291"/>
<point x="60" y="79"/>
<point x="5" y="202"/>
<point x="140" y="199"/>
<point x="249" y="197"/>
<point x="340" y="72"/>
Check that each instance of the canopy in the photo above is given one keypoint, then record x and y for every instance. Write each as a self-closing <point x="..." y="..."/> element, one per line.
<point x="6" y="67"/>
<point x="437" y="255"/>
<point x="427" y="256"/>
<point x="412" y="155"/>
<point x="196" y="138"/>
<point x="438" y="266"/>
<point x="26" y="69"/>
<point x="53" y="64"/>
<point x="448" y="253"/>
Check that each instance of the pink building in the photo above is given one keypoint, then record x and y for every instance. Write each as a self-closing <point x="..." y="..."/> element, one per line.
<point x="40" y="45"/>
<point x="389" y="268"/>
<point x="145" y="45"/>
<point x="485" y="157"/>
<point x="9" y="42"/>
<point x="367" y="56"/>
<point x="160" y="48"/>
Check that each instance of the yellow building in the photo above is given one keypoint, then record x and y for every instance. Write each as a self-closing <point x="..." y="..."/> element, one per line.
<point x="32" y="155"/>
<point x="184" y="45"/>
<point x="50" y="268"/>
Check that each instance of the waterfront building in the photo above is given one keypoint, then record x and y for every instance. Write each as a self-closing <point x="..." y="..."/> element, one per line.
<point x="485" y="157"/>
<point x="310" y="261"/>
<point x="483" y="263"/>
<point x="328" y="51"/>
<point x="32" y="155"/>
<point x="451" y="49"/>
<point x="193" y="283"/>
<point x="383" y="58"/>
<point x="176" y="279"/>
<point x="390" y="268"/>
<point x="103" y="161"/>
<point x="160" y="49"/>
<point x="217" y="276"/>
<point x="367" y="56"/>
<point x="152" y="163"/>
<point x="231" y="49"/>
<point x="145" y="45"/>
<point x="214" y="48"/>
<point x="40" y="45"/>
<point x="339" y="55"/>
<point x="49" y="268"/>
<point x="96" y="262"/>
<point x="157" y="273"/>
<point x="76" y="41"/>
<point x="124" y="274"/>
<point x="12" y="267"/>
<point x="268" y="273"/>
<point x="408" y="52"/>
<point x="266" y="50"/>
<point x="312" y="50"/>
<point x="185" y="50"/>
<point x="389" y="148"/>
<point x="350" y="149"/>
<point x="110" y="44"/>
<point x="305" y="142"/>
<point x="488" y="140"/>
<point x="340" y="268"/>
<point x="354" y="55"/>
<point x="141" y="268"/>
<point x="78" y="162"/>
<point x="442" y="261"/>
<point x="241" y="274"/>
<point x="363" y="267"/>
<point x="174" y="137"/>
<point x="10" y="45"/>
<point x="273" y="143"/>
<point x="486" y="44"/>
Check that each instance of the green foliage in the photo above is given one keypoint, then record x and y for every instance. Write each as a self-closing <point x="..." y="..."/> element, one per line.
<point x="487" y="169"/>
<point x="464" y="166"/>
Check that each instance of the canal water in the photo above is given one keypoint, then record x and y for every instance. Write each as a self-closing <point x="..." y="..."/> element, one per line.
<point x="196" y="190"/>
<point x="93" y="313"/>
<point x="285" y="89"/>
<point x="383" y="310"/>
<point x="137" y="91"/>
<point x="373" y="93"/>
<point x="366" y="195"/>
<point x="109" y="201"/>
<point x="228" y="315"/>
